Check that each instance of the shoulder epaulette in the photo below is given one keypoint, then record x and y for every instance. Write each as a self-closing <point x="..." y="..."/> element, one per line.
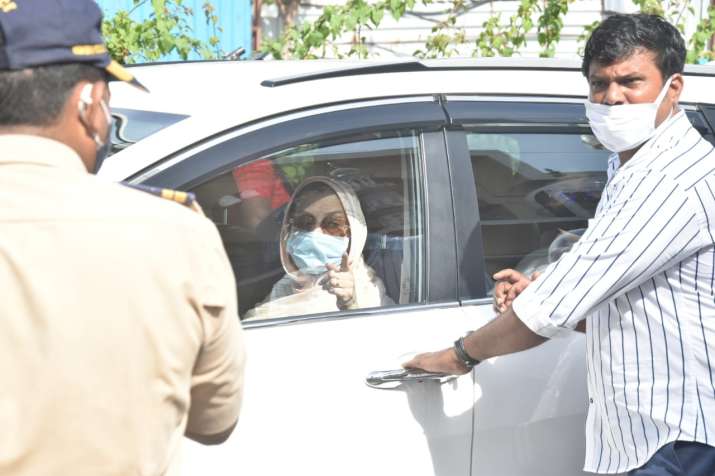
<point x="188" y="199"/>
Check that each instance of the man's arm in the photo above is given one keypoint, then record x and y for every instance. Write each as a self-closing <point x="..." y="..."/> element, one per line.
<point x="624" y="246"/>
<point x="504" y="335"/>
<point x="217" y="380"/>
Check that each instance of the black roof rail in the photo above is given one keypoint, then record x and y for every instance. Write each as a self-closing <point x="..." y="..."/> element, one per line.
<point x="415" y="65"/>
<point x="456" y="64"/>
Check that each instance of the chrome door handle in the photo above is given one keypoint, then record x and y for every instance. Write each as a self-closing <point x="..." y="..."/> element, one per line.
<point x="379" y="378"/>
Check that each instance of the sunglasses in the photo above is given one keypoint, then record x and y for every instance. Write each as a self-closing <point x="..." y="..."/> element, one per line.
<point x="335" y="224"/>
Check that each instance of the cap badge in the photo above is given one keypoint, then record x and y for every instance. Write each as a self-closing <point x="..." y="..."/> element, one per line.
<point x="88" y="50"/>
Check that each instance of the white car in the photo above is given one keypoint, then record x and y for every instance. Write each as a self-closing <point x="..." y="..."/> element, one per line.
<point x="463" y="167"/>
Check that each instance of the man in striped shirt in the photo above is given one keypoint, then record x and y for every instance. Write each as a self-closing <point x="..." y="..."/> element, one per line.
<point x="641" y="281"/>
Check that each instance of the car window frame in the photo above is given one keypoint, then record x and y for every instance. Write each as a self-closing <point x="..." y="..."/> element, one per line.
<point x="511" y="114"/>
<point x="427" y="117"/>
<point x="702" y="116"/>
<point x="493" y="113"/>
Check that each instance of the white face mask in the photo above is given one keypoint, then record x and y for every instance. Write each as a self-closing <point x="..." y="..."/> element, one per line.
<point x="103" y="144"/>
<point x="625" y="126"/>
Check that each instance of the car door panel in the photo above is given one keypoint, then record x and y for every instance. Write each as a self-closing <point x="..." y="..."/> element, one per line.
<point x="530" y="407"/>
<point x="529" y="410"/>
<point x="308" y="410"/>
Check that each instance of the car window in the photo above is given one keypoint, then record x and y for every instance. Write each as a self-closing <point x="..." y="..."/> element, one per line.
<point x="132" y="125"/>
<point x="536" y="192"/>
<point x="700" y="123"/>
<point x="284" y="215"/>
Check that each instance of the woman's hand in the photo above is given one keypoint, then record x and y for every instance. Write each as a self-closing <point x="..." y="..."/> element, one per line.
<point x="341" y="282"/>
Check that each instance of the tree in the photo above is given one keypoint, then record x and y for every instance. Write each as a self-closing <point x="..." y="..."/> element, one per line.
<point x="498" y="37"/>
<point x="164" y="32"/>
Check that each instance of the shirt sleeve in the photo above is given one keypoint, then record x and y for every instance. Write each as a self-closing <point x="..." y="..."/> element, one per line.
<point x="648" y="223"/>
<point x="217" y="380"/>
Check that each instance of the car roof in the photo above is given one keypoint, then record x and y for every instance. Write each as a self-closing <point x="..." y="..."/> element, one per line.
<point x="194" y="86"/>
<point x="220" y="95"/>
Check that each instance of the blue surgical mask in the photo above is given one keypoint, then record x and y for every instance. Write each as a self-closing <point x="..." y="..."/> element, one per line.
<point x="311" y="251"/>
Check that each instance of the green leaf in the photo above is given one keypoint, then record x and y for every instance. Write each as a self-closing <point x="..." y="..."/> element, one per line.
<point x="376" y="15"/>
<point x="164" y="31"/>
<point x="397" y="8"/>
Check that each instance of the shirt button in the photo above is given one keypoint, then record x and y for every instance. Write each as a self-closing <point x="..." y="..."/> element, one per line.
<point x="590" y="400"/>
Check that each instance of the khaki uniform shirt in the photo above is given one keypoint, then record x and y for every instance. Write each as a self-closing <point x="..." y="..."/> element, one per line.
<point x="118" y="324"/>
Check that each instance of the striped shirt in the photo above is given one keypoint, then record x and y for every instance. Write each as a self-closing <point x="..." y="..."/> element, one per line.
<point x="643" y="276"/>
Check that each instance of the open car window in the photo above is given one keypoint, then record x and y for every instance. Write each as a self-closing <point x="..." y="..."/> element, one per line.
<point x="362" y="192"/>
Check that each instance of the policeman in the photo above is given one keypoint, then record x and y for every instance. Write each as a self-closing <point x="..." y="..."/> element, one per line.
<point x="119" y="331"/>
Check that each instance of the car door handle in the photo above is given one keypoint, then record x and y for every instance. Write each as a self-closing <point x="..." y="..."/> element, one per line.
<point x="380" y="378"/>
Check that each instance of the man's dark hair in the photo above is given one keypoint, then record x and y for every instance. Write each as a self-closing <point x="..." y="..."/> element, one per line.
<point x="620" y="36"/>
<point x="36" y="96"/>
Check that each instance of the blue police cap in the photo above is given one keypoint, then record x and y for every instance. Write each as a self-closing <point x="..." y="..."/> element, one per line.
<point x="41" y="32"/>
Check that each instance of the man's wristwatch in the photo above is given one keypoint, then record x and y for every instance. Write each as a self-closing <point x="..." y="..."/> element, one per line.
<point x="462" y="354"/>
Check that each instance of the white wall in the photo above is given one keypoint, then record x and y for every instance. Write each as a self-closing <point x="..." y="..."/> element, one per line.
<point x="404" y="37"/>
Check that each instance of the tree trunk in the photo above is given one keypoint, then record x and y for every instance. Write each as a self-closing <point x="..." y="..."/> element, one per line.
<point x="256" y="30"/>
<point x="288" y="10"/>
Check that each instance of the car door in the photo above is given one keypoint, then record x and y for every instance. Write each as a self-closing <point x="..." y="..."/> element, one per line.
<point x="536" y="174"/>
<point x="307" y="407"/>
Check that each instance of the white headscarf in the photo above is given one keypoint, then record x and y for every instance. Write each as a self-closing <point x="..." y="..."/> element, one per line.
<point x="296" y="294"/>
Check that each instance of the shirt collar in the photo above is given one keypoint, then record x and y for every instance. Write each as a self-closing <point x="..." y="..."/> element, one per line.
<point x="37" y="150"/>
<point x="614" y="163"/>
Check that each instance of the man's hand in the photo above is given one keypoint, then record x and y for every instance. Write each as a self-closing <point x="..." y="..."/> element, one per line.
<point x="445" y="361"/>
<point x="510" y="284"/>
<point x="498" y="337"/>
<point x="341" y="282"/>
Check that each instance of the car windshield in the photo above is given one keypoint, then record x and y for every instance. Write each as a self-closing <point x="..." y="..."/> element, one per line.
<point x="133" y="125"/>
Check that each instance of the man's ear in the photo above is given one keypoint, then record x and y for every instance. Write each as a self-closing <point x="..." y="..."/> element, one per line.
<point x="675" y="88"/>
<point x="88" y="97"/>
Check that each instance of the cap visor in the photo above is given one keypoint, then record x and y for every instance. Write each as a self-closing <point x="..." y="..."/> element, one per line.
<point x="120" y="73"/>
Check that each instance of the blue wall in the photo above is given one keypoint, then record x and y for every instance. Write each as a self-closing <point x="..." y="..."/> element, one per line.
<point x="234" y="17"/>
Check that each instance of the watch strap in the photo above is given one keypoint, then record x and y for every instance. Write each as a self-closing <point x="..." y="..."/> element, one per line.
<point x="463" y="355"/>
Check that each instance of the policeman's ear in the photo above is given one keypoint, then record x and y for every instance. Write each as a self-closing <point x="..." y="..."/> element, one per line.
<point x="90" y="108"/>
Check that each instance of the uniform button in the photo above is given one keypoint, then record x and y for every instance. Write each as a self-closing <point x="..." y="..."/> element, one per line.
<point x="590" y="400"/>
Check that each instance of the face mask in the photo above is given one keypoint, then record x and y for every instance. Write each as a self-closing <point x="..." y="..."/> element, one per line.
<point x="312" y="250"/>
<point x="103" y="145"/>
<point x="625" y="126"/>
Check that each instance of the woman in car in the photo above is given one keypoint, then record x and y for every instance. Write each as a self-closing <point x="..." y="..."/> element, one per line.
<point x="321" y="242"/>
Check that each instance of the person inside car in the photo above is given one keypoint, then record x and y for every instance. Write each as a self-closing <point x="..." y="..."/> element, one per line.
<point x="321" y="242"/>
